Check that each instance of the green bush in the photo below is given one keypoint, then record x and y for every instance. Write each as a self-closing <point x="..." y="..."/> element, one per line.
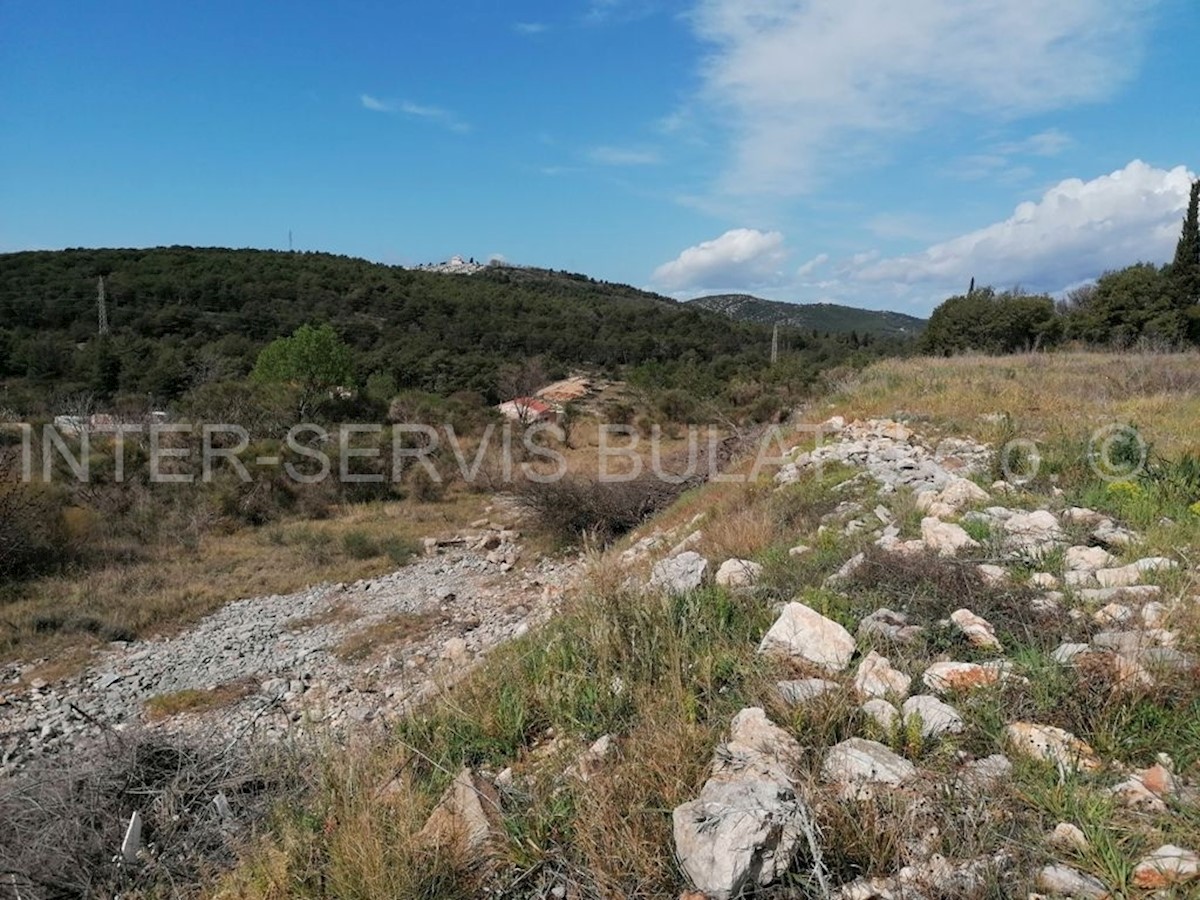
<point x="360" y="545"/>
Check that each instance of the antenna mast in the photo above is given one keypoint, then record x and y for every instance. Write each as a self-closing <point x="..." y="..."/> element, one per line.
<point x="102" y="306"/>
<point x="775" y="345"/>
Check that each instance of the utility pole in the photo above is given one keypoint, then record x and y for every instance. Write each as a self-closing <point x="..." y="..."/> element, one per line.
<point x="775" y="345"/>
<point x="102" y="307"/>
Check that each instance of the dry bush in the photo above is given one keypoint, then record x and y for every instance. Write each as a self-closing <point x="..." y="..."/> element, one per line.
<point x="348" y="830"/>
<point x="576" y="507"/>
<point x="63" y="829"/>
<point x="619" y="832"/>
<point x="33" y="532"/>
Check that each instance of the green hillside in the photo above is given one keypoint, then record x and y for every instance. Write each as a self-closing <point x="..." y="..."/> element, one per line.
<point x="822" y="317"/>
<point x="183" y="316"/>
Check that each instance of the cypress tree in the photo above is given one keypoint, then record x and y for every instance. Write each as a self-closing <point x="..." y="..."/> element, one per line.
<point x="1185" y="270"/>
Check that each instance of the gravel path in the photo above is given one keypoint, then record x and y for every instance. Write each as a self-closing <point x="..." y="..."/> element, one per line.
<point x="280" y="663"/>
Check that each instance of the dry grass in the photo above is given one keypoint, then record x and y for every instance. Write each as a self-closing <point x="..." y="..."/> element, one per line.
<point x="394" y="629"/>
<point x="63" y="828"/>
<point x="1045" y="395"/>
<point x="165" y="706"/>
<point x="738" y="526"/>
<point x="170" y="588"/>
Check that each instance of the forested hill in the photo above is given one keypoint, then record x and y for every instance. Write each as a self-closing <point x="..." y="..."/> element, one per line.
<point x="823" y="317"/>
<point x="180" y="314"/>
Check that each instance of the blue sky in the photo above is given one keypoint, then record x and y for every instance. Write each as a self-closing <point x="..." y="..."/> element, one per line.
<point x="860" y="151"/>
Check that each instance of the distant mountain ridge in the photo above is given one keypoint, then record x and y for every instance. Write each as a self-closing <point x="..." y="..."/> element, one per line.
<point x="823" y="317"/>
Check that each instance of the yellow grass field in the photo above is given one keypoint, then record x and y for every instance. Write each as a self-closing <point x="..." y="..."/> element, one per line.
<point x="1043" y="395"/>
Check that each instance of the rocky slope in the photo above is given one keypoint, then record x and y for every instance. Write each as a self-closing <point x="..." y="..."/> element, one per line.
<point x="327" y="659"/>
<point x="754" y="816"/>
<point x="983" y="685"/>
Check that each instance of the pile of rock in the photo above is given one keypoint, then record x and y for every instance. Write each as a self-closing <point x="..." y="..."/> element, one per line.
<point x="276" y="657"/>
<point x="890" y="453"/>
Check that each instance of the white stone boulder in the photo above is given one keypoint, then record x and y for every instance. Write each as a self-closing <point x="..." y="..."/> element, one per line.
<point x="738" y="573"/>
<point x="679" y="574"/>
<point x="1034" y="533"/>
<point x="881" y="713"/>
<point x="877" y="678"/>
<point x="742" y="831"/>
<point x="1167" y="867"/>
<point x="977" y="630"/>
<point x="1050" y="744"/>
<point x="856" y="765"/>
<point x="1088" y="559"/>
<point x="936" y="718"/>
<point x="1063" y="881"/>
<point x="805" y="690"/>
<point x="802" y="633"/>
<point x="466" y="823"/>
<point x="947" y="676"/>
<point x="945" y="538"/>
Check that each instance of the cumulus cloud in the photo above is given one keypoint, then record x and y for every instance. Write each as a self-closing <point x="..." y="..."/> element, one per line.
<point x="740" y="259"/>
<point x="623" y="156"/>
<point x="1076" y="231"/>
<point x="799" y="83"/>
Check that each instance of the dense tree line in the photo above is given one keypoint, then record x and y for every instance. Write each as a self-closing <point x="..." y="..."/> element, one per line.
<point x="183" y="317"/>
<point x="1142" y="303"/>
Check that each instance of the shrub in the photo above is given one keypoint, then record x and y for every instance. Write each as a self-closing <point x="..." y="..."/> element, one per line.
<point x="400" y="550"/>
<point x="33" y="533"/>
<point x="577" y="507"/>
<point x="360" y="545"/>
<point x="425" y="488"/>
<point x="60" y="829"/>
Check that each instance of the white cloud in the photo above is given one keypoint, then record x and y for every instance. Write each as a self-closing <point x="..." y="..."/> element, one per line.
<point x="600" y="12"/>
<point x="738" y="260"/>
<point x="435" y="114"/>
<point x="1050" y="142"/>
<point x="531" y="27"/>
<point x="1076" y="231"/>
<point x="803" y="83"/>
<point x="999" y="162"/>
<point x="442" y="117"/>
<point x="623" y="156"/>
<point x="375" y="105"/>
<point x="812" y="265"/>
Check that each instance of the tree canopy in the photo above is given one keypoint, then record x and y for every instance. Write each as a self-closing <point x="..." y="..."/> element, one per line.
<point x="313" y="359"/>
<point x="184" y="317"/>
<point x="989" y="322"/>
